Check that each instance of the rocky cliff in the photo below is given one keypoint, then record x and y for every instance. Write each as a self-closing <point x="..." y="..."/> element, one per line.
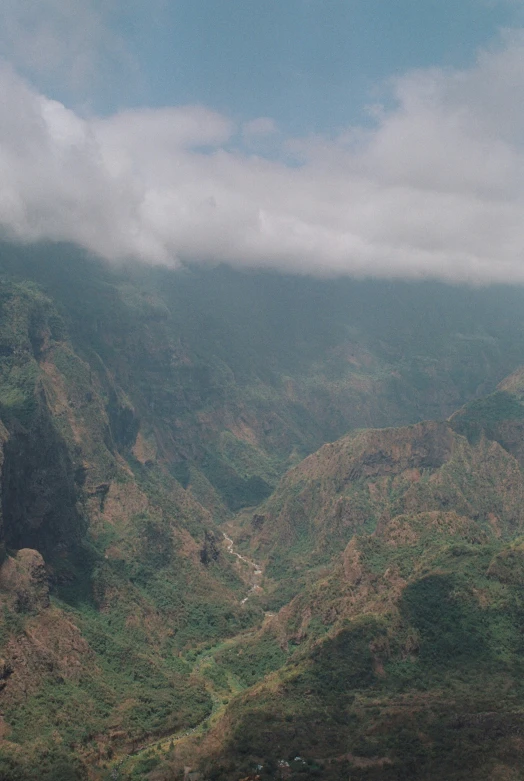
<point x="102" y="578"/>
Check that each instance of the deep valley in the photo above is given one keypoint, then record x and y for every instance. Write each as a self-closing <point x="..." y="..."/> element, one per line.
<point x="258" y="526"/>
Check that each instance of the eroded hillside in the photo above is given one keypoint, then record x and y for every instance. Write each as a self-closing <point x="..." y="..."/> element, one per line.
<point x="361" y="482"/>
<point x="109" y="567"/>
<point x="403" y="645"/>
<point x="140" y="410"/>
<point x="237" y="376"/>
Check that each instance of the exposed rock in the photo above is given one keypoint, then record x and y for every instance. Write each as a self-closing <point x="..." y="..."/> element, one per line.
<point x="40" y="497"/>
<point x="25" y="579"/>
<point x="351" y="563"/>
<point x="210" y="550"/>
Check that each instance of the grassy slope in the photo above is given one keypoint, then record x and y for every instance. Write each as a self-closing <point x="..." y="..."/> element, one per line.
<point x="405" y="652"/>
<point x="118" y="389"/>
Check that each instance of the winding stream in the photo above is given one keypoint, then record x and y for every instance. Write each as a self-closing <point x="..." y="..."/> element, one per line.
<point x="256" y="569"/>
<point x="254" y="579"/>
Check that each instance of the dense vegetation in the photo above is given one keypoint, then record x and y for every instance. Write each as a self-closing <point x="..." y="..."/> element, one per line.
<point x="143" y="409"/>
<point x="235" y="376"/>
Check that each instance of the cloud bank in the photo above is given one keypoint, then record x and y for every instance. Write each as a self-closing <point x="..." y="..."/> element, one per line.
<point x="434" y="187"/>
<point x="66" y="43"/>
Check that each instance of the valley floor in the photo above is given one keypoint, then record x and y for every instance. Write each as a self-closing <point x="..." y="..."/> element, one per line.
<point x="127" y="764"/>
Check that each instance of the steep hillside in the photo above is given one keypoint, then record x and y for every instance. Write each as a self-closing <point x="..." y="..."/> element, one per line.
<point x="405" y="660"/>
<point x="362" y="481"/>
<point x="237" y="376"/>
<point x="139" y="409"/>
<point x="403" y="653"/>
<point x="499" y="416"/>
<point x="109" y="568"/>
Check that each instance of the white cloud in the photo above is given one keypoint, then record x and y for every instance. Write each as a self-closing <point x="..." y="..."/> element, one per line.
<point x="435" y="188"/>
<point x="262" y="126"/>
<point x="68" y="43"/>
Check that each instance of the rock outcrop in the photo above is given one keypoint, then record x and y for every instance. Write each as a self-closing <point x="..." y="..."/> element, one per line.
<point x="24" y="579"/>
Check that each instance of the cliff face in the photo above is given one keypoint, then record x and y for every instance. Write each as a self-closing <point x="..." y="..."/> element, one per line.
<point x="102" y="578"/>
<point x="41" y="484"/>
<point x="41" y="490"/>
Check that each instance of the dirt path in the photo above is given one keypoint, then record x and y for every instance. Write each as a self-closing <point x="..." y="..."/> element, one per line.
<point x="205" y="658"/>
<point x="256" y="571"/>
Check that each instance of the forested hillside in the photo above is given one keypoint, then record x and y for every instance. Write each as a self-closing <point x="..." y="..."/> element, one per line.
<point x="180" y="588"/>
<point x="235" y="376"/>
<point x="394" y="591"/>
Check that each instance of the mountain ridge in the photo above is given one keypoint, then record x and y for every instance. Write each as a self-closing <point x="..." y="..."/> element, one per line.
<point x="140" y="411"/>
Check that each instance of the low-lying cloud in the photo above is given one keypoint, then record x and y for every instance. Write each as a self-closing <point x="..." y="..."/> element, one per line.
<point x="434" y="187"/>
<point x="69" y="44"/>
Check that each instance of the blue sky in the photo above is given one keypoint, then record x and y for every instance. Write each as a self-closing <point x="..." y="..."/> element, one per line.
<point x="312" y="65"/>
<point x="365" y="137"/>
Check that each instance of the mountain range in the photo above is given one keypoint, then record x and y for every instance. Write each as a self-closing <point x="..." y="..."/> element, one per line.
<point x="256" y="525"/>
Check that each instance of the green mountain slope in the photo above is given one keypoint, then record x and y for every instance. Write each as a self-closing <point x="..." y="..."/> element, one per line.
<point x="405" y="661"/>
<point x="359" y="483"/>
<point x="404" y="644"/>
<point x="140" y="409"/>
<point x="237" y="376"/>
<point x="109" y="568"/>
